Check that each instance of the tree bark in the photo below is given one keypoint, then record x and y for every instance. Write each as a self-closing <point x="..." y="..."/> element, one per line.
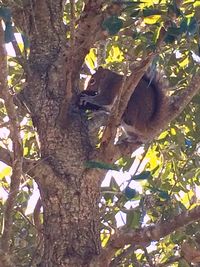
<point x="71" y="221"/>
<point x="70" y="193"/>
<point x="69" y="196"/>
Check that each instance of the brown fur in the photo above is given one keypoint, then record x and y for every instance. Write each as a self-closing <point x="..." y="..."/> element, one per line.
<point x="145" y="108"/>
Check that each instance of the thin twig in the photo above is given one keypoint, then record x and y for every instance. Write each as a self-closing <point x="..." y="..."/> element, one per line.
<point x="149" y="260"/>
<point x="117" y="260"/>
<point x="144" y="236"/>
<point x="17" y="147"/>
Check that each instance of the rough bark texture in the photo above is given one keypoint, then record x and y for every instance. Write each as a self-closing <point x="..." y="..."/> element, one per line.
<point x="69" y="196"/>
<point x="70" y="192"/>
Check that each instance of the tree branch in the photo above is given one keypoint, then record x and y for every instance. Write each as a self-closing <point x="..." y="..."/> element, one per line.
<point x="145" y="236"/>
<point x="119" y="258"/>
<point x="36" y="215"/>
<point x="108" y="149"/>
<point x="36" y="169"/>
<point x="17" y="146"/>
<point x="113" y="152"/>
<point x="89" y="30"/>
<point x="89" y="26"/>
<point x="16" y="159"/>
<point x="178" y="103"/>
<point x="174" y="107"/>
<point x="170" y="261"/>
<point x="6" y="156"/>
<point x="148" y="258"/>
<point x="28" y="166"/>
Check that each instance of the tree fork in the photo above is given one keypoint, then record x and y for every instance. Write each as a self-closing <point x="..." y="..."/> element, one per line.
<point x="69" y="195"/>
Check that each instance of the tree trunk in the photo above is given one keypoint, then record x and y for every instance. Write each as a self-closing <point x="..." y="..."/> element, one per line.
<point x="70" y="196"/>
<point x="71" y="220"/>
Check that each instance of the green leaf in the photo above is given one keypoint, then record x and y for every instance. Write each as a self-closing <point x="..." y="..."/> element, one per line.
<point x="5" y="14"/>
<point x="183" y="263"/>
<point x="108" y="197"/>
<point x="142" y="176"/>
<point x="151" y="12"/>
<point x="130" y="192"/>
<point x="155" y="170"/>
<point x="129" y="4"/>
<point x="125" y="163"/>
<point x="174" y="31"/>
<point x="151" y="47"/>
<point x="25" y="41"/>
<point x="164" y="195"/>
<point x="5" y="172"/>
<point x="161" y="193"/>
<point x="8" y="34"/>
<point x="184" y="25"/>
<point x="128" y="164"/>
<point x="177" y="236"/>
<point x="193" y="26"/>
<point x="101" y="165"/>
<point x="114" y="185"/>
<point x="133" y="219"/>
<point x="169" y="39"/>
<point x="135" y="13"/>
<point x="174" y="8"/>
<point x="112" y="24"/>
